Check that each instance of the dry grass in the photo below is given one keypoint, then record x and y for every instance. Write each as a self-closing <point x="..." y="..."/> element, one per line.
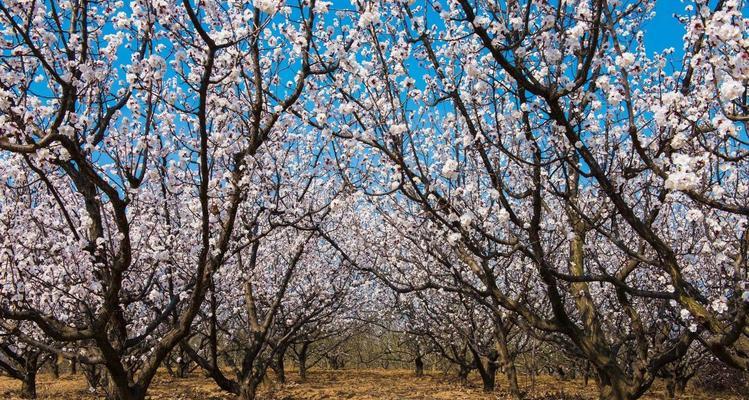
<point x="347" y="384"/>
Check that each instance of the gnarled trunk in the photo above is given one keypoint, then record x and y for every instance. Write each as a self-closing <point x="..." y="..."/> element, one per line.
<point x="248" y="388"/>
<point x="612" y="387"/>
<point x="120" y="389"/>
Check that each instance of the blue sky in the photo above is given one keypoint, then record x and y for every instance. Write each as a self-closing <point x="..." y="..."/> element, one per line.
<point x="664" y="31"/>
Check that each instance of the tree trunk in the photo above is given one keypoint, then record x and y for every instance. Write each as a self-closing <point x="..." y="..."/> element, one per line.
<point x="611" y="392"/>
<point x="681" y="385"/>
<point x="533" y="374"/>
<point x="119" y="390"/>
<point x="302" y="359"/>
<point x="183" y="366"/>
<point x="512" y="378"/>
<point x="463" y="375"/>
<point x="335" y="362"/>
<point x="55" y="367"/>
<point x="488" y="379"/>
<point x="419" y="366"/>
<point x="507" y="361"/>
<point x="93" y="375"/>
<point x="676" y="385"/>
<point x="248" y="389"/>
<point x="278" y="366"/>
<point x="611" y="387"/>
<point x="28" y="385"/>
<point x="487" y="368"/>
<point x="671" y="388"/>
<point x="586" y="374"/>
<point x="127" y="394"/>
<point x="303" y="370"/>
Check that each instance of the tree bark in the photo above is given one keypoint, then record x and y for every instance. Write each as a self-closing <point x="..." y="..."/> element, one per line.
<point x="512" y="377"/>
<point x="335" y="362"/>
<point x="55" y="367"/>
<point x="676" y="385"/>
<point x="119" y="391"/>
<point x="671" y="388"/>
<point x="507" y="361"/>
<point x="463" y="375"/>
<point x="586" y="373"/>
<point x="278" y="366"/>
<point x="183" y="366"/>
<point x="419" y="366"/>
<point x="28" y="385"/>
<point x="302" y="359"/>
<point x="611" y="387"/>
<point x="93" y="375"/>
<point x="487" y="368"/>
<point x="681" y="385"/>
<point x="248" y="389"/>
<point x="127" y="394"/>
<point x="488" y="378"/>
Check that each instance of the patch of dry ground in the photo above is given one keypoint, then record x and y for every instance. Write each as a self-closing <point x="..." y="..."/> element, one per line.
<point x="372" y="384"/>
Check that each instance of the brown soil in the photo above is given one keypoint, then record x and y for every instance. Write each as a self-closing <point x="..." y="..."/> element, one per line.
<point x="373" y="384"/>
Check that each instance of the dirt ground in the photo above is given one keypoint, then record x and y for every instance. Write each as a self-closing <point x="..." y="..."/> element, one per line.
<point x="345" y="384"/>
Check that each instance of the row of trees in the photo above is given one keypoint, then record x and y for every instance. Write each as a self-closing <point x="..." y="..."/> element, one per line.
<point x="223" y="182"/>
